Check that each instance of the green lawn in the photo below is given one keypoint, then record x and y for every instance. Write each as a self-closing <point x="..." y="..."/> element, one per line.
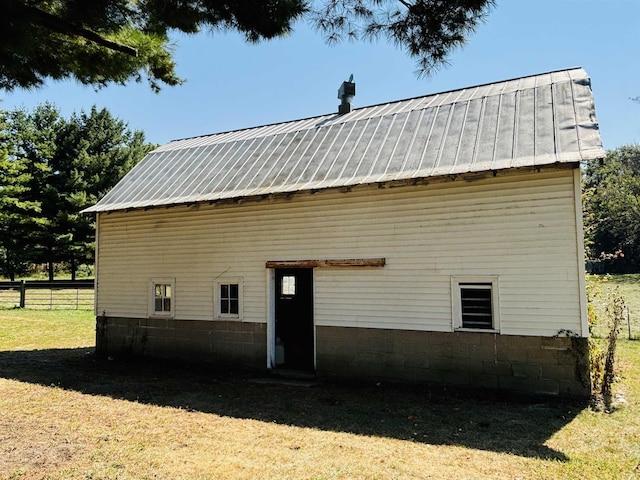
<point x="25" y="329"/>
<point x="629" y="287"/>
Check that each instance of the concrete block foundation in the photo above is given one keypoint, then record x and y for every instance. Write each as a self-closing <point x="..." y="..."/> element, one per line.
<point x="539" y="365"/>
<point x="227" y="342"/>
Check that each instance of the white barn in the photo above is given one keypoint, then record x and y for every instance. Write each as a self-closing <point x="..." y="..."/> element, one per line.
<point x="434" y="239"/>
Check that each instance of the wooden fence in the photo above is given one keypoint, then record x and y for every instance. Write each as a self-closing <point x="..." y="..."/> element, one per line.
<point x="58" y="294"/>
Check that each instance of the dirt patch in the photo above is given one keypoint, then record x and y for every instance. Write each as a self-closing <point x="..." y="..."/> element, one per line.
<point x="34" y="448"/>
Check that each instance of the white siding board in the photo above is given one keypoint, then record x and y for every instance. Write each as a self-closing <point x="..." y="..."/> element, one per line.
<point x="426" y="233"/>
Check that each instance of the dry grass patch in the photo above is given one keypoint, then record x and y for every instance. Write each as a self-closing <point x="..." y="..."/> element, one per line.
<point x="66" y="415"/>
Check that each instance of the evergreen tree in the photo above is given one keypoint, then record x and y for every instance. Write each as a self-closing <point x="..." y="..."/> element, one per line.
<point x="95" y="150"/>
<point x="15" y="212"/>
<point x="50" y="169"/>
<point x="99" y="42"/>
<point x="27" y="142"/>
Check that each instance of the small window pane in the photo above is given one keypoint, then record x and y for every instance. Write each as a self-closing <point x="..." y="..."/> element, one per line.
<point x="162" y="298"/>
<point x="288" y="285"/>
<point x="229" y="299"/>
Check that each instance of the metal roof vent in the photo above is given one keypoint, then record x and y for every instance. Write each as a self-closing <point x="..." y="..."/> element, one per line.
<point x="346" y="92"/>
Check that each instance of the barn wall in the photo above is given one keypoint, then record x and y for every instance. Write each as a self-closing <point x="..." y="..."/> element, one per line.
<point x="522" y="228"/>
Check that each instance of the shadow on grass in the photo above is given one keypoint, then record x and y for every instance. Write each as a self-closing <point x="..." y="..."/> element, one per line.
<point x="625" y="279"/>
<point x="492" y="421"/>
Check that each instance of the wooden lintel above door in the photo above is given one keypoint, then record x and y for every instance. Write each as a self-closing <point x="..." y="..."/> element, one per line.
<point x="347" y="262"/>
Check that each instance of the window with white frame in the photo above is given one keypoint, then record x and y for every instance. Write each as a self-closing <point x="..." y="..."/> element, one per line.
<point x="475" y="303"/>
<point x="228" y="299"/>
<point x="162" y="297"/>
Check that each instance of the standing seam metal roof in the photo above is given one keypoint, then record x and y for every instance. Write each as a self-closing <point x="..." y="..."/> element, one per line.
<point x="530" y="121"/>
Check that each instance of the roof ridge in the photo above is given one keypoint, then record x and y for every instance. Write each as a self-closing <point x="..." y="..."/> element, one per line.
<point x="329" y="116"/>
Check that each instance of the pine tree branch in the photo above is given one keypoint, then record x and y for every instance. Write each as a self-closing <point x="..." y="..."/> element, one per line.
<point x="60" y="25"/>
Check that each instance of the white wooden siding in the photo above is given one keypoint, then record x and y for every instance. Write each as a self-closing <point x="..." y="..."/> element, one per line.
<point x="521" y="228"/>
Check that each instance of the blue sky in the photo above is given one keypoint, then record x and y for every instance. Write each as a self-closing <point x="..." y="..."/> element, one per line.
<point x="233" y="85"/>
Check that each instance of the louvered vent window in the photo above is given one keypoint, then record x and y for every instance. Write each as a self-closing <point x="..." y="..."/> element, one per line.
<point x="477" y="311"/>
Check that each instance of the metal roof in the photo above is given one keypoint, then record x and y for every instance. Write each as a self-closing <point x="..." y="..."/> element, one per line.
<point x="530" y="121"/>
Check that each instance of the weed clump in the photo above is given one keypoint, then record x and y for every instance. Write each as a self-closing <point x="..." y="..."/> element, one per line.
<point x="603" y="361"/>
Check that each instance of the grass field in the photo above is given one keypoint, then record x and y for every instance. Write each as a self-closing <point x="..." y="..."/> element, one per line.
<point x="629" y="287"/>
<point x="27" y="329"/>
<point x="66" y="415"/>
